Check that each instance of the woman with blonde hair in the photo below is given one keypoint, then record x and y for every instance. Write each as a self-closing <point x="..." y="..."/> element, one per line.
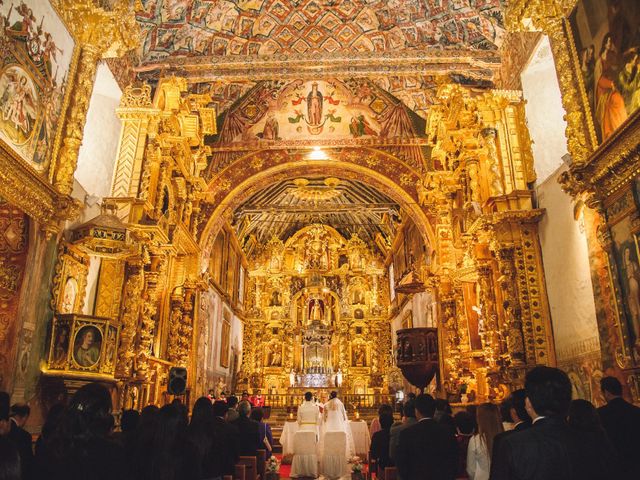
<point x="481" y="444"/>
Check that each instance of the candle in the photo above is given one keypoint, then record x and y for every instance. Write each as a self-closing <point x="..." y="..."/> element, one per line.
<point x="357" y="415"/>
<point x="291" y="416"/>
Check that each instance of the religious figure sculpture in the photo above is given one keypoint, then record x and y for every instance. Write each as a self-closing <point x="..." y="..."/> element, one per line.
<point x="316" y="311"/>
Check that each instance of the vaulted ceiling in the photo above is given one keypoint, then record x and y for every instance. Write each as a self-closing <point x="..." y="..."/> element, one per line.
<point x="271" y="27"/>
<point x="351" y="207"/>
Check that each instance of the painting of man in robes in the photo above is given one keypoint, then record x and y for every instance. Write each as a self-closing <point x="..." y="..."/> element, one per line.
<point x="314" y="106"/>
<point x="607" y="42"/>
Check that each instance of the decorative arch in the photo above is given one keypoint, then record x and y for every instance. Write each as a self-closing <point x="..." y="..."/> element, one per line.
<point x="239" y="181"/>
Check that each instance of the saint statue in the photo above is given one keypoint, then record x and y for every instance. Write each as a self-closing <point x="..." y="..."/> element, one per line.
<point x="316" y="311"/>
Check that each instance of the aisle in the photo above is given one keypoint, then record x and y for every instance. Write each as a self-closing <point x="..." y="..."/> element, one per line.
<point x="285" y="470"/>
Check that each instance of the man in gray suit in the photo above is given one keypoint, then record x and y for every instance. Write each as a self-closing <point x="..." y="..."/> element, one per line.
<point x="408" y="419"/>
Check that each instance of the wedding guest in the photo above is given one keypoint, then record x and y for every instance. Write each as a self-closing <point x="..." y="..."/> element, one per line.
<point x="408" y="419"/>
<point x="9" y="460"/>
<point x="520" y="419"/>
<point x="78" y="447"/>
<point x="443" y="414"/>
<point x="384" y="409"/>
<point x="21" y="438"/>
<point x="621" y="421"/>
<point x="465" y="428"/>
<point x="162" y="449"/>
<point x="248" y="430"/>
<point x="232" y="412"/>
<point x="481" y="444"/>
<point x="379" y="449"/>
<point x="207" y="439"/>
<point x="428" y="449"/>
<point x="551" y="448"/>
<point x="231" y="446"/>
<point x="265" y="437"/>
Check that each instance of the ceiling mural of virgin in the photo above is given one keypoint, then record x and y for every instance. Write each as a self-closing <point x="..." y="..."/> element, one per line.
<point x="326" y="112"/>
<point x="269" y="27"/>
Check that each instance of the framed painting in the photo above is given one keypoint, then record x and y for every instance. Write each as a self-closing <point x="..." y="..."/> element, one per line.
<point x="607" y="46"/>
<point x="38" y="53"/>
<point x="224" y="340"/>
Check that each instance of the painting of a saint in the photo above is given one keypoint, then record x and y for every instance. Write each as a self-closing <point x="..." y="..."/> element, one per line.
<point x="60" y="344"/>
<point x="18" y="103"/>
<point x="275" y="356"/>
<point x="632" y="286"/>
<point x="276" y="299"/>
<point x="359" y="359"/>
<point x="358" y="297"/>
<point x="360" y="126"/>
<point x="224" y="344"/>
<point x="86" y="347"/>
<point x="314" y="106"/>
<point x="607" y="43"/>
<point x="270" y="130"/>
<point x="69" y="296"/>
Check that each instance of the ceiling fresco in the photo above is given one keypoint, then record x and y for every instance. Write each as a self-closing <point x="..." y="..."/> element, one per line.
<point x="268" y="27"/>
<point x="327" y="112"/>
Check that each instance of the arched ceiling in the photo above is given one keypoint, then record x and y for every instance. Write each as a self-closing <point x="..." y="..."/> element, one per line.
<point x="273" y="27"/>
<point x="349" y="206"/>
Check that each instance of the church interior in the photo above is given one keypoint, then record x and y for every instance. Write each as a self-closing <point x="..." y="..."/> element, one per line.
<point x="276" y="196"/>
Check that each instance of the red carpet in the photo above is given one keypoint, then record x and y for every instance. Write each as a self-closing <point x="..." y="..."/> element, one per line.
<point x="285" y="470"/>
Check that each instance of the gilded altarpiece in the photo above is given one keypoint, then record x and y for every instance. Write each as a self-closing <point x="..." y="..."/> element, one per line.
<point x="316" y="316"/>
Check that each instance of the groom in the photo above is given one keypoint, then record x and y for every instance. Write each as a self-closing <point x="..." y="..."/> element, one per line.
<point x="308" y="414"/>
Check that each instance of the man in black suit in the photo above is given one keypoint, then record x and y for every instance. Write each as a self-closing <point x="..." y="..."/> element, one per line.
<point x="427" y="450"/>
<point x="519" y="416"/>
<point x="550" y="449"/>
<point x="21" y="438"/>
<point x="231" y="439"/>
<point x="248" y="431"/>
<point x="621" y="421"/>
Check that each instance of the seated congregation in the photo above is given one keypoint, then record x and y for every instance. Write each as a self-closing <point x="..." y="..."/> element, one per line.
<point x="539" y="433"/>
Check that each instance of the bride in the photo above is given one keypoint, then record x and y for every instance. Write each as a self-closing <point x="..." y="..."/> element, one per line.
<point x="334" y="418"/>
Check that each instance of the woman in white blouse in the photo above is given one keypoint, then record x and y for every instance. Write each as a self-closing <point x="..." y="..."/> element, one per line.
<point x="481" y="444"/>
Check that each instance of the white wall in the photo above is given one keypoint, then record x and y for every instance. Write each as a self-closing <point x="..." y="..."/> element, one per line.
<point x="101" y="134"/>
<point x="562" y="239"/>
<point x="544" y="111"/>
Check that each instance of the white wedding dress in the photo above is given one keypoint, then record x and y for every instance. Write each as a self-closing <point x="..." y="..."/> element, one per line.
<point x="335" y="419"/>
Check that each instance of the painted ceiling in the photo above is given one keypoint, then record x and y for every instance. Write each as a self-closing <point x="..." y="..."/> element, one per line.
<point x="283" y="208"/>
<point x="176" y="28"/>
<point x="323" y="112"/>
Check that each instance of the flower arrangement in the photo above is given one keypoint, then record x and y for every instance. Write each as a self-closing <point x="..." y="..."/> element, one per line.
<point x="356" y="464"/>
<point x="272" y="465"/>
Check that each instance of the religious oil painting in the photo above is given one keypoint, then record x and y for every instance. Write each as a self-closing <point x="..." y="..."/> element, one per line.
<point x="37" y="52"/>
<point x="86" y="346"/>
<point x="607" y="41"/>
<point x="626" y="257"/>
<point x="224" y="344"/>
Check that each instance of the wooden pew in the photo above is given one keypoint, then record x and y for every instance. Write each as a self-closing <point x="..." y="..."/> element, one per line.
<point x="390" y="473"/>
<point x="250" y="467"/>
<point x="261" y="463"/>
<point x="239" y="472"/>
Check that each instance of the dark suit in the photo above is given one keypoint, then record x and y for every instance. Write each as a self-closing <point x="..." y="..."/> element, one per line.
<point x="22" y="440"/>
<point x="501" y="436"/>
<point x="427" y="451"/>
<point x="248" y="431"/>
<point x="230" y="445"/>
<point x="621" y="421"/>
<point x="551" y="450"/>
<point x="394" y="434"/>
